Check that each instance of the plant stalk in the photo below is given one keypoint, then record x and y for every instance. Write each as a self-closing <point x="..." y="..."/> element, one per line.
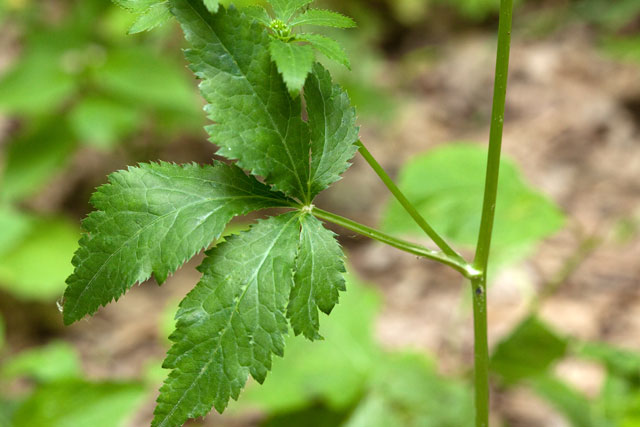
<point x="463" y="267"/>
<point x="481" y="261"/>
<point x="406" y="204"/>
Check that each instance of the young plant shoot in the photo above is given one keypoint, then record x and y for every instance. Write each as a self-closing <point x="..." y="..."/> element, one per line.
<point x="257" y="71"/>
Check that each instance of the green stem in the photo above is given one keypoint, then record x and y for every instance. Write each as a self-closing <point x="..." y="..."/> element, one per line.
<point x="481" y="261"/>
<point x="406" y="204"/>
<point x="480" y="350"/>
<point x="403" y="245"/>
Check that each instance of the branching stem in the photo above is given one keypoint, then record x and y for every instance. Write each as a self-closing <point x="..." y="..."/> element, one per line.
<point x="481" y="261"/>
<point x="466" y="269"/>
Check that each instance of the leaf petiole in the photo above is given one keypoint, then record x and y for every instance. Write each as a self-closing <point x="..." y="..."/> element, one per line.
<point x="461" y="266"/>
<point x="408" y="206"/>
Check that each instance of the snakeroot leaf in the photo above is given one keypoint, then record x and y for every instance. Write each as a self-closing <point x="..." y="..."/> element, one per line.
<point x="156" y="15"/>
<point x="318" y="277"/>
<point x="153" y="13"/>
<point x="294" y="61"/>
<point x="258" y="13"/>
<point x="332" y="121"/>
<point x="150" y="220"/>
<point x="285" y="9"/>
<point x="257" y="122"/>
<point x="232" y="322"/>
<point x="328" y="47"/>
<point x="150" y="13"/>
<point x="323" y="18"/>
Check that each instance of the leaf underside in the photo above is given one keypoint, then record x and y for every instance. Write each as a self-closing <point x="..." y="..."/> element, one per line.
<point x="150" y="220"/>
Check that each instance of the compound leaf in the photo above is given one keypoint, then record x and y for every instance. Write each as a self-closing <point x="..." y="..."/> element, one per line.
<point x="294" y="62"/>
<point x="285" y="9"/>
<point x="328" y="47"/>
<point x="257" y="122"/>
<point x="333" y="129"/>
<point x="232" y="322"/>
<point x="318" y="278"/>
<point x="150" y="220"/>
<point x="323" y="18"/>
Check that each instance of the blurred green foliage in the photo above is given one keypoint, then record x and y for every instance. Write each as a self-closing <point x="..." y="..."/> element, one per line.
<point x="2" y="334"/>
<point x="59" y="396"/>
<point x="446" y="185"/>
<point x="77" y="82"/>
<point x="527" y="356"/>
<point x="529" y="351"/>
<point x="37" y="267"/>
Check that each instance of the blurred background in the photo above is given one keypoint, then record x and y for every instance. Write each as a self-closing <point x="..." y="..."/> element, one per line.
<point x="79" y="98"/>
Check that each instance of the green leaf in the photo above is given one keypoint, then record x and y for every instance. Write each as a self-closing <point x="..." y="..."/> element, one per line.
<point x="285" y="9"/>
<point x="212" y="5"/>
<point x="156" y="15"/>
<point x="568" y="401"/>
<point x="257" y="122"/>
<point x="78" y="403"/>
<point x="14" y="226"/>
<point x="620" y="400"/>
<point x="407" y="392"/>
<point x="323" y="18"/>
<point x="103" y="123"/>
<point x="619" y="361"/>
<point x="318" y="277"/>
<point x="55" y="361"/>
<point x="294" y="62"/>
<point x="527" y="352"/>
<point x="150" y="13"/>
<point x="332" y="123"/>
<point x="36" y="268"/>
<point x="34" y="157"/>
<point x="446" y="185"/>
<point x="334" y="371"/>
<point x="232" y="322"/>
<point x="139" y="76"/>
<point x="150" y="220"/>
<point x="328" y="47"/>
<point x="258" y="13"/>
<point x="38" y="83"/>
